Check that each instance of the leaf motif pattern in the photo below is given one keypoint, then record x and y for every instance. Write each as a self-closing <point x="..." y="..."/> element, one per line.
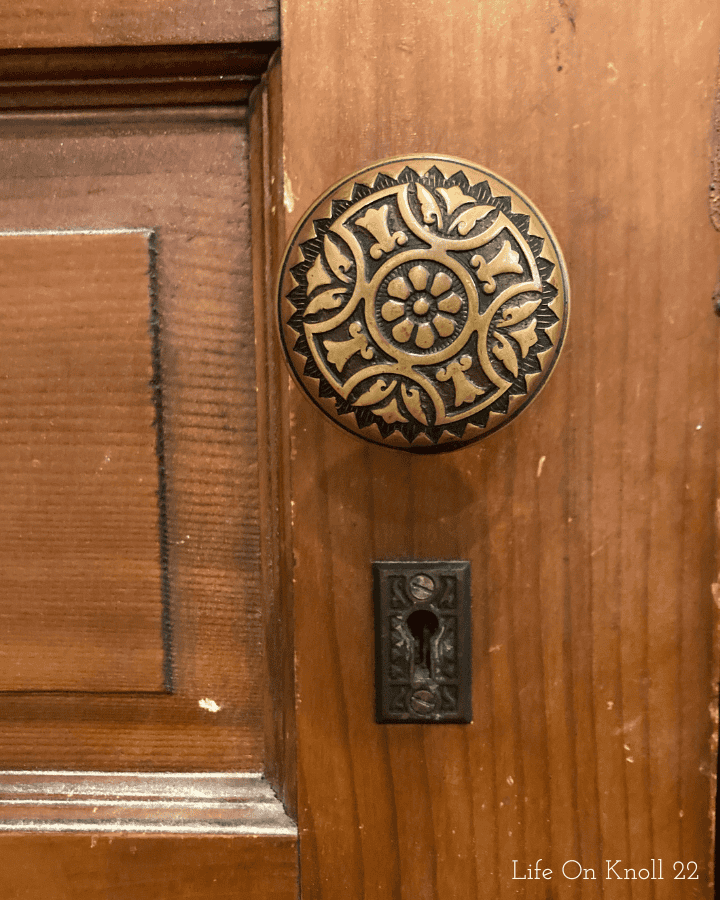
<point x="465" y="390"/>
<point x="331" y="299"/>
<point x="454" y="198"/>
<point x="411" y="398"/>
<point x="379" y="391"/>
<point x="390" y="413"/>
<point x="526" y="337"/>
<point x="467" y="220"/>
<point x="506" y="260"/>
<point x="317" y="275"/>
<point x="505" y="353"/>
<point x="375" y="222"/>
<point x="337" y="260"/>
<point x="339" y="352"/>
<point x="430" y="209"/>
<point x="514" y="314"/>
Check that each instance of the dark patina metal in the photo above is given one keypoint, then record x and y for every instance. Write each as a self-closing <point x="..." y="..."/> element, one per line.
<point x="423" y="641"/>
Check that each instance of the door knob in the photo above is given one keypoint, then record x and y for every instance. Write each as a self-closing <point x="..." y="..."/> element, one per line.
<point x="423" y="302"/>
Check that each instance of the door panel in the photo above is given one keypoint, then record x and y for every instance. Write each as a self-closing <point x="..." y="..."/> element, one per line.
<point x="182" y="177"/>
<point x="125" y="235"/>
<point x="122" y="123"/>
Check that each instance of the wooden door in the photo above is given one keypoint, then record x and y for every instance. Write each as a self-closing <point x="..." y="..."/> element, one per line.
<point x="589" y="521"/>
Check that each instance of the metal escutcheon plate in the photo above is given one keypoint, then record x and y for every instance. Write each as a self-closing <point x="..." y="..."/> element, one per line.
<point x="423" y="303"/>
<point x="423" y="642"/>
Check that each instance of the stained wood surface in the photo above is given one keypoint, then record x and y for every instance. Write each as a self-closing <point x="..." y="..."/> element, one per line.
<point x="185" y="175"/>
<point x="154" y="803"/>
<point x="74" y="867"/>
<point x="131" y="76"/>
<point x="98" y="23"/>
<point x="588" y="521"/>
<point x="266" y="177"/>
<point x="81" y="586"/>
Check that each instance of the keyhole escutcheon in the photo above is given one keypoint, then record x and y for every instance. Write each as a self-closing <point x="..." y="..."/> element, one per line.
<point x="423" y="641"/>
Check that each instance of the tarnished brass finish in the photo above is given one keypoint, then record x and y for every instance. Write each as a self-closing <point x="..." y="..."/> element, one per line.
<point x="423" y="302"/>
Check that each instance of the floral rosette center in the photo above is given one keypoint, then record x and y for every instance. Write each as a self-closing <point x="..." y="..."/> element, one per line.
<point x="422" y="307"/>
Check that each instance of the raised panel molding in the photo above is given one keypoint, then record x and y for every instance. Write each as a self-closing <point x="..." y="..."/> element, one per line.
<point x="81" y="600"/>
<point x="138" y="802"/>
<point x="101" y="77"/>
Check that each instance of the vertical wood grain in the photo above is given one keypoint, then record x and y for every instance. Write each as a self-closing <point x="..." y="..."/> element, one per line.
<point x="588" y="521"/>
<point x="265" y="132"/>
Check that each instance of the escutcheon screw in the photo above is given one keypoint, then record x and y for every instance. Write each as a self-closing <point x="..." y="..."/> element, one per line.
<point x="422" y="702"/>
<point x="421" y="587"/>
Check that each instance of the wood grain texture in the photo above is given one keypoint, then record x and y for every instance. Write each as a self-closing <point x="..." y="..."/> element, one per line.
<point x="185" y="177"/>
<point x="81" y="591"/>
<point x="588" y="521"/>
<point x="137" y="867"/>
<point x="265" y="130"/>
<point x="102" y="23"/>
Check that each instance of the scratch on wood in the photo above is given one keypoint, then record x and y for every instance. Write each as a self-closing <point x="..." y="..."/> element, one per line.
<point x="290" y="197"/>
<point x="714" y="709"/>
<point x="715" y="160"/>
<point x="568" y="13"/>
<point x="713" y="769"/>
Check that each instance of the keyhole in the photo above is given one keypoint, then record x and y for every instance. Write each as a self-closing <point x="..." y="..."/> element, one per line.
<point x="422" y="625"/>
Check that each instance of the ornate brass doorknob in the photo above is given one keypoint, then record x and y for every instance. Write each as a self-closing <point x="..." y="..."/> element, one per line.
<point x="423" y="302"/>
